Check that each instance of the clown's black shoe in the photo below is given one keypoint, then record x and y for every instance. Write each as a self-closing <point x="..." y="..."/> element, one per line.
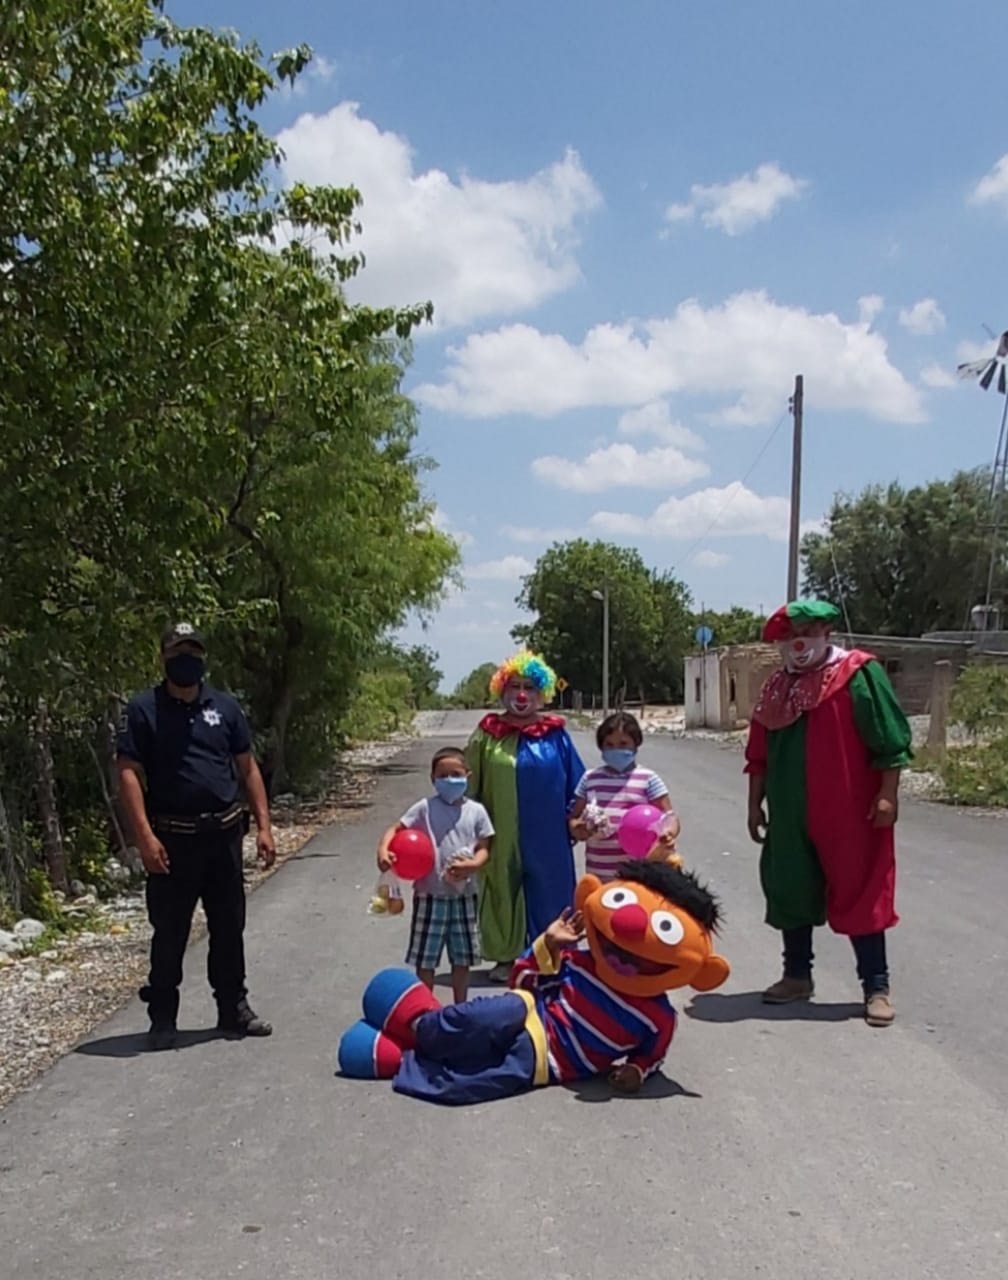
<point x="162" y="1034"/>
<point x="239" y="1020"/>
<point x="789" y="991"/>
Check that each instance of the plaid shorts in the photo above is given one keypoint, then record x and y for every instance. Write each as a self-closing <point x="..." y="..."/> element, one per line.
<point x="441" y="922"/>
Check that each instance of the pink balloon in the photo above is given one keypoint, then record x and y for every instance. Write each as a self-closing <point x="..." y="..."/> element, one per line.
<point x="638" y="832"/>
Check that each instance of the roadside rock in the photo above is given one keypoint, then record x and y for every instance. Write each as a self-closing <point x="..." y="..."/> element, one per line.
<point x="117" y="873"/>
<point x="28" y="930"/>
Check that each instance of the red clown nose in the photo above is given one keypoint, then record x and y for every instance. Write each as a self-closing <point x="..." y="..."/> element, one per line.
<point x="629" y="922"/>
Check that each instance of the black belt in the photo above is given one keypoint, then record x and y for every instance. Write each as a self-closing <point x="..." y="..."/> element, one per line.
<point x="196" y="824"/>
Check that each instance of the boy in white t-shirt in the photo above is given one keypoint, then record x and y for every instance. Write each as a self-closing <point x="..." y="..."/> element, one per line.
<point x="616" y="785"/>
<point x="446" y="902"/>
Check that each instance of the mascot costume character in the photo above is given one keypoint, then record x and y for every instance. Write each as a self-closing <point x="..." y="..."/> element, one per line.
<point x="573" y="1012"/>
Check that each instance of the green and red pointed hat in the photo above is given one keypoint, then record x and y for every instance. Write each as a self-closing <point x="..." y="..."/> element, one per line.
<point x="799" y="613"/>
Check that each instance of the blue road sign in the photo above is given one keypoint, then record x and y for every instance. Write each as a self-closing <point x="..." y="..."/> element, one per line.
<point x="703" y="636"/>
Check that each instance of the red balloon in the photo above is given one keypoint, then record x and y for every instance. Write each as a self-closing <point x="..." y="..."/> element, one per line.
<point x="413" y="853"/>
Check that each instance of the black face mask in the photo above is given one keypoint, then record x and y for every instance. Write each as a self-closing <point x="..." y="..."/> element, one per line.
<point x="185" y="669"/>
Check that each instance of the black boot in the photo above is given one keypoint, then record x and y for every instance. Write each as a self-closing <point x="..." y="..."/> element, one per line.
<point x="239" y="1020"/>
<point x="163" y="1010"/>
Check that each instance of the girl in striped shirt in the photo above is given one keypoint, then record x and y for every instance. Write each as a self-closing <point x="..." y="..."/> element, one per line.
<point x="616" y="785"/>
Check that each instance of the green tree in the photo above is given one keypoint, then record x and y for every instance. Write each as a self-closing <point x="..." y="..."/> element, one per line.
<point x="326" y="533"/>
<point x="649" y="615"/>
<point x="473" y="691"/>
<point x="419" y="664"/>
<point x="907" y="561"/>
<point x="732" y="626"/>
<point x="662" y="680"/>
<point x="190" y="420"/>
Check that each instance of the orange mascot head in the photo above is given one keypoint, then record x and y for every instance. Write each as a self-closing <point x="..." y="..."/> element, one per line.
<point x="651" y="929"/>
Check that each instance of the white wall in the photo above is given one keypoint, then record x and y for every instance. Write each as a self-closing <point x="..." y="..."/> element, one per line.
<point x="703" y="690"/>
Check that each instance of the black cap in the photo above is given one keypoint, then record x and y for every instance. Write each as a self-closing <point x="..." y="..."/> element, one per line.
<point x="182" y="633"/>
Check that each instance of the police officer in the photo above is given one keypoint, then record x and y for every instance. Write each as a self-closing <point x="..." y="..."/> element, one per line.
<point x="184" y="759"/>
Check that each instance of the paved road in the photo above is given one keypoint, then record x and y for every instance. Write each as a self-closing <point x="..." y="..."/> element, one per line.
<point x="793" y="1143"/>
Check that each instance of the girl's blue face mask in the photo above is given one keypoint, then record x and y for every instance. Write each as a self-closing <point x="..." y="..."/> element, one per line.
<point x="451" y="790"/>
<point x="619" y="758"/>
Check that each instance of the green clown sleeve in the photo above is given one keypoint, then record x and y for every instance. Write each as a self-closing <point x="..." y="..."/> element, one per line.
<point x="474" y="759"/>
<point x="880" y="720"/>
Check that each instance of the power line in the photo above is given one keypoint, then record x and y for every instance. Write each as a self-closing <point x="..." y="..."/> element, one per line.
<point x="755" y="463"/>
<point x="839" y="584"/>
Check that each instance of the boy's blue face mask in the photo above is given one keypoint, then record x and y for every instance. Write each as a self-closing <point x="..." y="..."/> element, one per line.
<point x="620" y="758"/>
<point x="451" y="790"/>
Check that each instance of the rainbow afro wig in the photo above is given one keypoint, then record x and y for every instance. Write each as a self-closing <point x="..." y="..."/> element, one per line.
<point x="527" y="666"/>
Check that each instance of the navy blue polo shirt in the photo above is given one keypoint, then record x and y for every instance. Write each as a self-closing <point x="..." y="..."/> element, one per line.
<point x="186" y="749"/>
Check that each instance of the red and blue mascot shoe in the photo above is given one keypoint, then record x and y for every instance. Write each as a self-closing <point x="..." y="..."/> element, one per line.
<point x="366" y="1054"/>
<point x="393" y="1000"/>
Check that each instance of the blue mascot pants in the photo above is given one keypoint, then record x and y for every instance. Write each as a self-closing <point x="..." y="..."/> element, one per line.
<point x="472" y="1052"/>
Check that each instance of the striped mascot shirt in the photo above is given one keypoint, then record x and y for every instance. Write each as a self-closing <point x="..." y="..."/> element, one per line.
<point x="589" y="1027"/>
<point x="615" y="792"/>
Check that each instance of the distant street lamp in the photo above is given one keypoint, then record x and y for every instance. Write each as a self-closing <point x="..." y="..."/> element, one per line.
<point x="603" y="595"/>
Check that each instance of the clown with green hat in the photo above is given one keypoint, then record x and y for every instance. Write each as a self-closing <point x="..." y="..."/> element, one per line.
<point x="827" y="742"/>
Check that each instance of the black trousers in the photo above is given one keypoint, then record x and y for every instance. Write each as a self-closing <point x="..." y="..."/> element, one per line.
<point x="869" y="951"/>
<point x="205" y="868"/>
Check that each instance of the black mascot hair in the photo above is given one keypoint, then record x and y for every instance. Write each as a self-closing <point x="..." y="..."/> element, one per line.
<point x="681" y="888"/>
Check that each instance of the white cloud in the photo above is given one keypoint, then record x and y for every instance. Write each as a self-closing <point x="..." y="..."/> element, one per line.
<point x="532" y="534"/>
<point x="711" y="559"/>
<point x="924" y="317"/>
<point x="935" y="375"/>
<point x="655" y="419"/>
<point x="680" y="213"/>
<point x="475" y="627"/>
<point x="733" y="511"/>
<point x="749" y="347"/>
<point x="870" y="307"/>
<point x="993" y="187"/>
<point x="736" y="206"/>
<point x="621" y="466"/>
<point x="474" y="248"/>
<point x="499" y="570"/>
<point x="441" y="520"/>
<point x="968" y="351"/>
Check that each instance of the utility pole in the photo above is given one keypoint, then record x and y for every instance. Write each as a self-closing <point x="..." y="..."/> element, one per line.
<point x="703" y="665"/>
<point x="605" y="649"/>
<point x="603" y="595"/>
<point x="997" y="499"/>
<point x="796" y="448"/>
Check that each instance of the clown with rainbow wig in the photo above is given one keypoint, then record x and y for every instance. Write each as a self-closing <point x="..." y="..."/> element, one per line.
<point x="524" y="771"/>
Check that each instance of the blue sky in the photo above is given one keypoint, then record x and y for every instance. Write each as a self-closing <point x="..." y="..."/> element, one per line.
<point x="637" y="223"/>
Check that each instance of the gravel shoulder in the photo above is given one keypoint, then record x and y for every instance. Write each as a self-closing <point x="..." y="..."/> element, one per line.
<point x="51" y="999"/>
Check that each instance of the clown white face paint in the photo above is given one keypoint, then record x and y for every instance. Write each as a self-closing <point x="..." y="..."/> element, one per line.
<point x="521" y="699"/>
<point x="805" y="652"/>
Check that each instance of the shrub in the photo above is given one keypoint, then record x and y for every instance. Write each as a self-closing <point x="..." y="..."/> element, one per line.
<point x="980" y="702"/>
<point x="977" y="774"/>
<point x="379" y="707"/>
